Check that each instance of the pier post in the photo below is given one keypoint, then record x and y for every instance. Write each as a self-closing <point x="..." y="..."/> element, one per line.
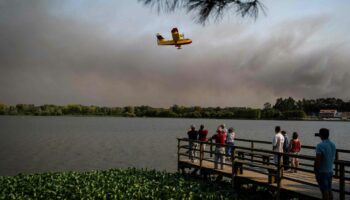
<point x="341" y="182"/>
<point x="279" y="176"/>
<point x="178" y="155"/>
<point x="201" y="155"/>
<point x="336" y="164"/>
<point x="252" y="147"/>
<point x="232" y="167"/>
<point x="211" y="148"/>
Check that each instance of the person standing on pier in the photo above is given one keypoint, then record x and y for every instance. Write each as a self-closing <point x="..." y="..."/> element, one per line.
<point x="202" y="136"/>
<point x="325" y="156"/>
<point x="230" y="139"/>
<point x="192" y="136"/>
<point x="294" y="148"/>
<point x="220" y="138"/>
<point x="285" y="150"/>
<point x="223" y="128"/>
<point x="277" y="143"/>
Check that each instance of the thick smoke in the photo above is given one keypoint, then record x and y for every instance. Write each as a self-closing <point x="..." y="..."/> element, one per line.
<point x="48" y="55"/>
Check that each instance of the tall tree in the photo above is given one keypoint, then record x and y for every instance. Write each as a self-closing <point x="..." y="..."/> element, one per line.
<point x="3" y="109"/>
<point x="285" y="104"/>
<point x="267" y="105"/>
<point x="209" y="8"/>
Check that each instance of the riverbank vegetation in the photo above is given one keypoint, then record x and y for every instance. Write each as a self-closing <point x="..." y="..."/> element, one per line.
<point x="287" y="108"/>
<point x="114" y="184"/>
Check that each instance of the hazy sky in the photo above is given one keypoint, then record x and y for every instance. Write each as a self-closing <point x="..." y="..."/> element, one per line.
<point x="105" y="53"/>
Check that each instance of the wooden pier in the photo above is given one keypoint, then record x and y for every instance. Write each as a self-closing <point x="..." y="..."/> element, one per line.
<point x="251" y="165"/>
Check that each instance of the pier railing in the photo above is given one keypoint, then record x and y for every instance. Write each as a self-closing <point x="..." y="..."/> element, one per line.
<point x="307" y="150"/>
<point x="260" y="160"/>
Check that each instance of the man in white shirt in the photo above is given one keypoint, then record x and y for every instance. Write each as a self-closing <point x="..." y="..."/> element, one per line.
<point x="277" y="143"/>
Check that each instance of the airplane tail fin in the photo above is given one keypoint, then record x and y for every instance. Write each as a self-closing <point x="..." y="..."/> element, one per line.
<point x="159" y="37"/>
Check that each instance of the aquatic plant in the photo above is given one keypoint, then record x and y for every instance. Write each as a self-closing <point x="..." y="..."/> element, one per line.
<point x="129" y="183"/>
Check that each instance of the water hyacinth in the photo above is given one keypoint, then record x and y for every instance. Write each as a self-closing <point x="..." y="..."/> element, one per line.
<point x="110" y="184"/>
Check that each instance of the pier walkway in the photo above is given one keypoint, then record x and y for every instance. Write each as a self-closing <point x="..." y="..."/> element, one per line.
<point x="252" y="165"/>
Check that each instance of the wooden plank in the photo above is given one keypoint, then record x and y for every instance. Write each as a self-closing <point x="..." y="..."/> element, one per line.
<point x="302" y="183"/>
<point x="286" y="185"/>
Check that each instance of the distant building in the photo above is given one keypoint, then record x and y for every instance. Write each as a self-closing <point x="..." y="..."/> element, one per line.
<point x="339" y="115"/>
<point x="345" y="115"/>
<point x="327" y="113"/>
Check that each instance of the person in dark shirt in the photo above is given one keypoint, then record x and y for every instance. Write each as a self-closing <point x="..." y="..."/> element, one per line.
<point x="202" y="136"/>
<point x="192" y="135"/>
<point x="220" y="138"/>
<point x="285" y="150"/>
<point x="323" y="166"/>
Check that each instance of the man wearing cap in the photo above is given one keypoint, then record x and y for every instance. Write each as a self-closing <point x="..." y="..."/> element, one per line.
<point x="192" y="135"/>
<point x="325" y="156"/>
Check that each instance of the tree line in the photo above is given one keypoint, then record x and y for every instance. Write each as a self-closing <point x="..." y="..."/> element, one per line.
<point x="284" y="108"/>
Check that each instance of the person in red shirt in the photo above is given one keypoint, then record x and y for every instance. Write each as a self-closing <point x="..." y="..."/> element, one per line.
<point x="220" y="138"/>
<point x="202" y="136"/>
<point x="294" y="148"/>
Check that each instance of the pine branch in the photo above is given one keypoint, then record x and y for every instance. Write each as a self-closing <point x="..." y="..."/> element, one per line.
<point x="209" y="8"/>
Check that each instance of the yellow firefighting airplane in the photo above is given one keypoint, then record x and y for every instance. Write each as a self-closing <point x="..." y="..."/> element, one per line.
<point x="177" y="41"/>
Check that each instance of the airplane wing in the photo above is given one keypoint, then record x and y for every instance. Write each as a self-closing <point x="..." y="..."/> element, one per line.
<point x="162" y="41"/>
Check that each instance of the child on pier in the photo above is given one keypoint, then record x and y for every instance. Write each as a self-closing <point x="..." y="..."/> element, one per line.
<point x="230" y="139"/>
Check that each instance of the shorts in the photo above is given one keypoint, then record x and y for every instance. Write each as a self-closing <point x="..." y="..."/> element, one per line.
<point x="219" y="150"/>
<point x="324" y="180"/>
<point x="203" y="147"/>
<point x="295" y="158"/>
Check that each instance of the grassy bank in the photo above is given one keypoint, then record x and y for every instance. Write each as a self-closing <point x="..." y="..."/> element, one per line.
<point x="113" y="184"/>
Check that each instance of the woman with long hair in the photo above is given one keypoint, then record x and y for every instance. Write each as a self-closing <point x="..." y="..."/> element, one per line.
<point x="294" y="148"/>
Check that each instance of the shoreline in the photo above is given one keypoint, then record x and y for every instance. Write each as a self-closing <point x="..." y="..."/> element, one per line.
<point x="114" y="116"/>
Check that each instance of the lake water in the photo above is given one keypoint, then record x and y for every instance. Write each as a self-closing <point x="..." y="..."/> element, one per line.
<point x="39" y="144"/>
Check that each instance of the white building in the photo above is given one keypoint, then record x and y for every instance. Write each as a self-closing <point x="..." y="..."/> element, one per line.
<point x="327" y="113"/>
